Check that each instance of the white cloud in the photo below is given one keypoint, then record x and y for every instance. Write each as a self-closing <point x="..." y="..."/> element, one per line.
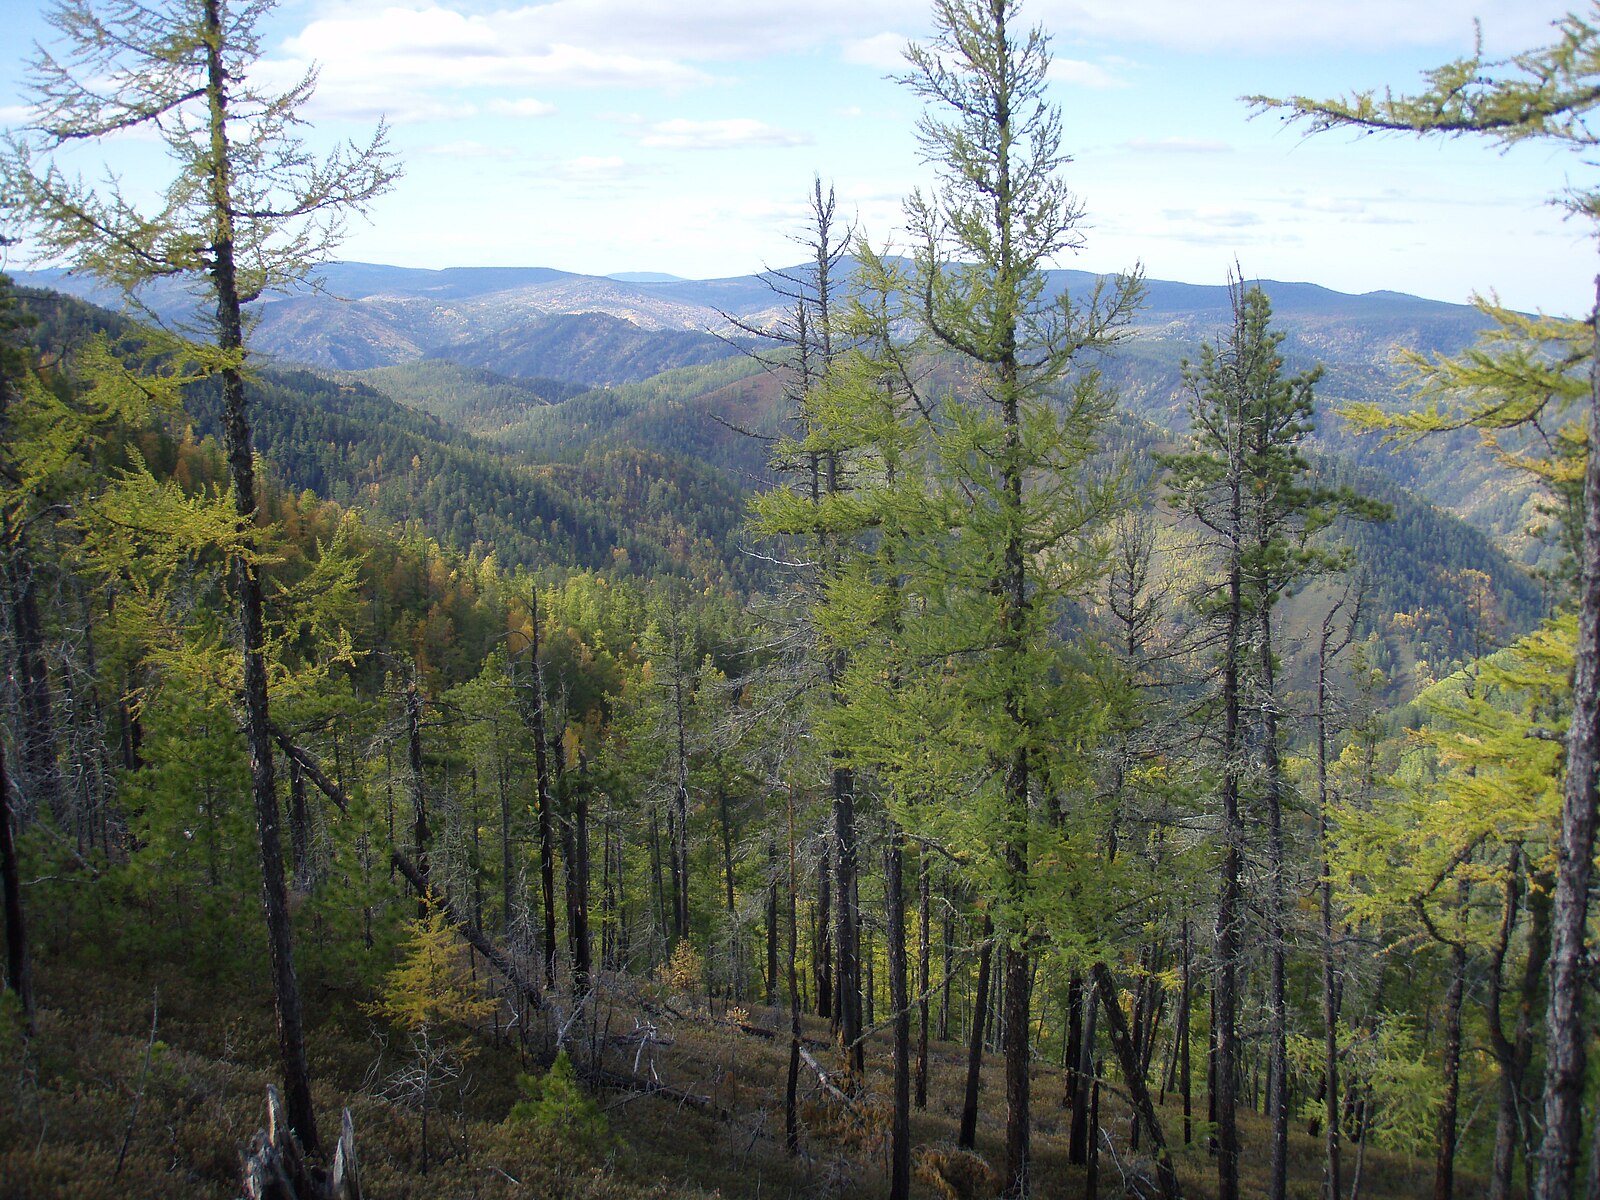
<point x="525" y="107"/>
<point x="1250" y="26"/>
<point x="467" y="149"/>
<point x="885" y="51"/>
<point x="711" y="30"/>
<point x="14" y="115"/>
<point x="731" y="133"/>
<point x="591" y="169"/>
<point x="1078" y="73"/>
<point x="1176" y="145"/>
<point x="1342" y="205"/>
<point x="398" y="106"/>
<point x="1213" y="217"/>
<point x="399" y="60"/>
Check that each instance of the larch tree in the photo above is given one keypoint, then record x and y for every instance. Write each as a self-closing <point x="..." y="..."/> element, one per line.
<point x="1011" y="443"/>
<point x="810" y="340"/>
<point x="1548" y="95"/>
<point x="250" y="208"/>
<point x="1245" y="480"/>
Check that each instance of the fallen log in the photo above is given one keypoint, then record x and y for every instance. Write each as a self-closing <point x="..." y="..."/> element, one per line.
<point x="823" y="1077"/>
<point x="312" y="768"/>
<point x="615" y="1081"/>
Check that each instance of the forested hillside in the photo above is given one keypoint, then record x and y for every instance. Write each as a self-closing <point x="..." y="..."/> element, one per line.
<point x="926" y="724"/>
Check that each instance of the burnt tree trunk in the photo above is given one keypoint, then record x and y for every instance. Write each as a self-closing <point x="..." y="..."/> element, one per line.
<point x="969" y="1103"/>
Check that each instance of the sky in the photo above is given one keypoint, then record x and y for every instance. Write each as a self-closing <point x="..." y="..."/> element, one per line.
<point x="682" y="136"/>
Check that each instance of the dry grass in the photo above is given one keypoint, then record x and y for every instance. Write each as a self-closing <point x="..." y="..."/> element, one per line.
<point x="66" y="1102"/>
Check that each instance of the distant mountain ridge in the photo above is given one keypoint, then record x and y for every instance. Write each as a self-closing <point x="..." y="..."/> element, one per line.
<point x="537" y="323"/>
<point x="357" y="316"/>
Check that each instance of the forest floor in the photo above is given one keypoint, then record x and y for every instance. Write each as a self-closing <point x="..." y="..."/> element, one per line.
<point x="94" y="1106"/>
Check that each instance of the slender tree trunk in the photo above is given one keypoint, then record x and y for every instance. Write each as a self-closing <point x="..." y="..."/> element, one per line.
<point x="1445" y="1162"/>
<point x="791" y="1118"/>
<point x="507" y="867"/>
<point x="1514" y="1053"/>
<point x="19" y="964"/>
<point x="847" y="925"/>
<point x="1566" y="1036"/>
<point x="1091" y="1183"/>
<point x="1230" y="905"/>
<point x="727" y="876"/>
<point x="420" y="834"/>
<point x="678" y="815"/>
<point x="1332" y="1182"/>
<point x="36" y="731"/>
<point x="299" y="827"/>
<point x="252" y="621"/>
<point x="1017" y="1036"/>
<point x="1184" y="1025"/>
<point x="1128" y="1055"/>
<point x="576" y="827"/>
<point x="969" y="1105"/>
<point x="659" y="888"/>
<point x="1277" y="1004"/>
<point x="924" y="954"/>
<point x="542" y="790"/>
<point x="772" y="923"/>
<point x="822" y="952"/>
<point x="1211" y="1070"/>
<point x="1081" y="1136"/>
<point x="899" y="1002"/>
<point x="947" y="932"/>
<point x="1073" y="1049"/>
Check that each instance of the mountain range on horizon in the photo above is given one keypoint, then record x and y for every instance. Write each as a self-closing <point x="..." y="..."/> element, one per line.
<point x="552" y="333"/>
<point x="356" y="316"/>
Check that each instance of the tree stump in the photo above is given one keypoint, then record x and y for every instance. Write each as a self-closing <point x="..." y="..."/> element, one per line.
<point x="274" y="1167"/>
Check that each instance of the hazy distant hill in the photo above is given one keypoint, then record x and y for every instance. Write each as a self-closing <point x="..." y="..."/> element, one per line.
<point x="366" y="315"/>
<point x="586" y="348"/>
<point x="608" y="332"/>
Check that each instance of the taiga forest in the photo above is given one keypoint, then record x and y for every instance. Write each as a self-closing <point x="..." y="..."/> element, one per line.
<point x="922" y="721"/>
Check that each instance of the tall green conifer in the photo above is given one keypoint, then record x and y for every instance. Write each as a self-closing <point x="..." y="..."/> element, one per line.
<point x="1019" y="511"/>
<point x="249" y="209"/>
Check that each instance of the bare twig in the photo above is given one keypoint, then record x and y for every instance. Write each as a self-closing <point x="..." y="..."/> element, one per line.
<point x="144" y="1076"/>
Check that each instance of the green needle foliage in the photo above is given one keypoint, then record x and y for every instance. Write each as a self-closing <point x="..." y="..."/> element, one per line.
<point x="556" y="1103"/>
